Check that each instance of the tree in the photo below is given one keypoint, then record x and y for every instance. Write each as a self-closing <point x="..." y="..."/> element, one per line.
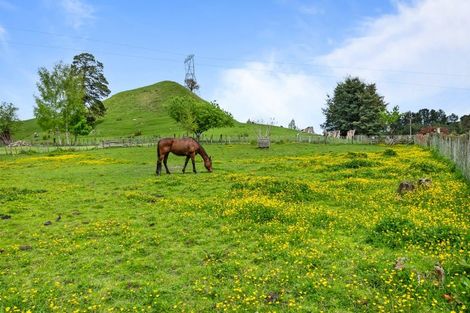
<point x="423" y="117"/>
<point x="465" y="123"/>
<point x="94" y="83"/>
<point x="59" y="104"/>
<point x="191" y="84"/>
<point x="354" y="105"/>
<point x="8" y="118"/>
<point x="437" y="118"/>
<point x="391" y="119"/>
<point x="453" y="123"/>
<point x="292" y="125"/>
<point x="196" y="116"/>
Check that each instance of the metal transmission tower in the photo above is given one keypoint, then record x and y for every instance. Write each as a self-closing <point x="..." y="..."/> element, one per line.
<point x="190" y="77"/>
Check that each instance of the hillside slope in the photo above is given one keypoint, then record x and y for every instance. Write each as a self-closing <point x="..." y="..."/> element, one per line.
<point x="142" y="111"/>
<point x="130" y="112"/>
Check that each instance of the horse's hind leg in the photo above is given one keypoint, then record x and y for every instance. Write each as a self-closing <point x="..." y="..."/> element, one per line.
<point x="165" y="159"/>
<point x="185" y="163"/>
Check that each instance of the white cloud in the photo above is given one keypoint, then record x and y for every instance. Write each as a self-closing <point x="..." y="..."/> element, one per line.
<point x="263" y="91"/>
<point x="419" y="53"/>
<point x="78" y="12"/>
<point x="417" y="56"/>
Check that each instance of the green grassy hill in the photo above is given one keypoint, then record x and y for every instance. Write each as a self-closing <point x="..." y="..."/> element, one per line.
<point x="141" y="111"/>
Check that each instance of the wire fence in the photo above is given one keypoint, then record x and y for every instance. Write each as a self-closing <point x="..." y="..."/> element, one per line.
<point x="45" y="146"/>
<point x="455" y="148"/>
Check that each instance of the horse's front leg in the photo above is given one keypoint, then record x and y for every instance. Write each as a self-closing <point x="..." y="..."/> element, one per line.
<point x="159" y="167"/>
<point x="165" y="159"/>
<point x="194" y="163"/>
<point x="185" y="163"/>
<point x="159" y="164"/>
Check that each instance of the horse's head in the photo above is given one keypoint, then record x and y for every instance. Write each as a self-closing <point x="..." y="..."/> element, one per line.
<point x="208" y="164"/>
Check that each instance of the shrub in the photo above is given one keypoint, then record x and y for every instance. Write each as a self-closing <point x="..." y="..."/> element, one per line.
<point x="293" y="191"/>
<point x="390" y="153"/>
<point x="356" y="155"/>
<point x="357" y="163"/>
<point x="14" y="193"/>
<point x="424" y="167"/>
<point x="257" y="213"/>
<point x="286" y="190"/>
<point x="393" y="232"/>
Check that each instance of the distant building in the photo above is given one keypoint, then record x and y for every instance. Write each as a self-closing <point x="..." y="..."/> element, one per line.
<point x="308" y="130"/>
<point x="434" y="130"/>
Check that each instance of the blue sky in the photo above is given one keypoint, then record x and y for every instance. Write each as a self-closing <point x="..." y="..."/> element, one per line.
<point x="259" y="59"/>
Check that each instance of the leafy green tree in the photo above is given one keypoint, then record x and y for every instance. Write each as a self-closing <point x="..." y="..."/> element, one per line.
<point x="391" y="119"/>
<point x="80" y="126"/>
<point x="95" y="85"/>
<point x="437" y="118"/>
<point x="423" y="117"/>
<point x="59" y="104"/>
<point x="197" y="116"/>
<point x="8" y="119"/>
<point x="354" y="105"/>
<point x="292" y="125"/>
<point x="453" y="123"/>
<point x="465" y="123"/>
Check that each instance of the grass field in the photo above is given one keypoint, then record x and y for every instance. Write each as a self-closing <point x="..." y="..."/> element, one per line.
<point x="296" y="228"/>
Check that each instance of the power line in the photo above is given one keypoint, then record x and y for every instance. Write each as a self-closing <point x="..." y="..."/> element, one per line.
<point x="96" y="40"/>
<point x="310" y="64"/>
<point x="77" y="50"/>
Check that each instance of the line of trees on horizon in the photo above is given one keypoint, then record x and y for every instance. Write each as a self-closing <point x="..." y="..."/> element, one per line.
<point x="425" y="118"/>
<point x="357" y="105"/>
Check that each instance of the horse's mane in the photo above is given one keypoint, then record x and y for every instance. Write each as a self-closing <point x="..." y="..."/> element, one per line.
<point x="202" y="152"/>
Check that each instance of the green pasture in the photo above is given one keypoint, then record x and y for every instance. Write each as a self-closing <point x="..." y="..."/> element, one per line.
<point x="293" y="228"/>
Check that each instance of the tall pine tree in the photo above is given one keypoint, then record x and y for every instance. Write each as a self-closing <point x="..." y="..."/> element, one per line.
<point x="355" y="105"/>
<point x="95" y="84"/>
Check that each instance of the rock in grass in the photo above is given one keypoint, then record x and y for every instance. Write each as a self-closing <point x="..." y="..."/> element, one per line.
<point x="272" y="297"/>
<point x="424" y="182"/>
<point x="2" y="250"/>
<point x="405" y="186"/>
<point x="400" y="264"/>
<point x="25" y="248"/>
<point x="47" y="223"/>
<point x="440" y="273"/>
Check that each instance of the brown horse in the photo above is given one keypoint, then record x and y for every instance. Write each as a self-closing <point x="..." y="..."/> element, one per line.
<point x="185" y="147"/>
